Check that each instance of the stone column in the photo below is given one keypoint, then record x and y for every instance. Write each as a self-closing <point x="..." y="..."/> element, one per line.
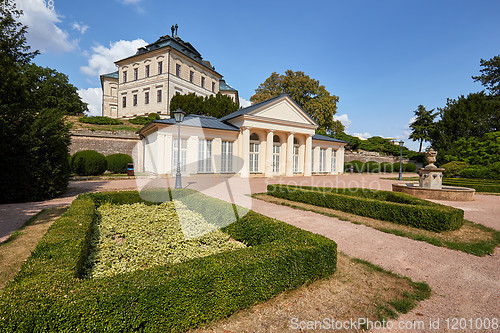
<point x="289" y="155"/>
<point x="340" y="160"/>
<point x="168" y="153"/>
<point x="245" y="173"/>
<point x="307" y="160"/>
<point x="328" y="163"/>
<point x="217" y="155"/>
<point x="269" y="153"/>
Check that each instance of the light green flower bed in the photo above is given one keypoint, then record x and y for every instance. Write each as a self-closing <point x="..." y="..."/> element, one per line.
<point x="139" y="236"/>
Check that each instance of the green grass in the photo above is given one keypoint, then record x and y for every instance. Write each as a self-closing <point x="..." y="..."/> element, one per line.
<point x="482" y="248"/>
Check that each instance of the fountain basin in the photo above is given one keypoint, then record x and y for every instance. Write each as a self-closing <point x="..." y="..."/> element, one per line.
<point x="450" y="193"/>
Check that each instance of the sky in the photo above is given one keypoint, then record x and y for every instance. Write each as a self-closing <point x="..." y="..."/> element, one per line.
<point x="382" y="58"/>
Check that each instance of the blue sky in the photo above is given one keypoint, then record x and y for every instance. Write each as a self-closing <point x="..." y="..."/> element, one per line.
<point x="382" y="58"/>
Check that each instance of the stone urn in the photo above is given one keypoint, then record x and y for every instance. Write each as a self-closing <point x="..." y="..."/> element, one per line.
<point x="431" y="176"/>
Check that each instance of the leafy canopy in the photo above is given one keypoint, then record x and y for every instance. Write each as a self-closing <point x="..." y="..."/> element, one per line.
<point x="307" y="93"/>
<point x="490" y="75"/>
<point x="422" y="126"/>
<point x="216" y="106"/>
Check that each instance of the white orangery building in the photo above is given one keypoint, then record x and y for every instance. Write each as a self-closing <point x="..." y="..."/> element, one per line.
<point x="272" y="138"/>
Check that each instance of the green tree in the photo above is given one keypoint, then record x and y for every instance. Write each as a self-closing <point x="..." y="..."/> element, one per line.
<point x="465" y="117"/>
<point x="215" y="106"/>
<point x="483" y="150"/>
<point x="34" y="137"/>
<point x="52" y="90"/>
<point x="422" y="125"/>
<point x="490" y="75"/>
<point x="307" y="93"/>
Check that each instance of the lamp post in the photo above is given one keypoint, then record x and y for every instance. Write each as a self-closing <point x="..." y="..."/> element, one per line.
<point x="179" y="117"/>
<point x="401" y="160"/>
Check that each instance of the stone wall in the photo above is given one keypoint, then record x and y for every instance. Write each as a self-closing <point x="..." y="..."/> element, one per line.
<point x="365" y="156"/>
<point x="104" y="142"/>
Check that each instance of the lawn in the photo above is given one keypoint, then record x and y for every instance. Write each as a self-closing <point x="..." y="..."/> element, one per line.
<point x="124" y="126"/>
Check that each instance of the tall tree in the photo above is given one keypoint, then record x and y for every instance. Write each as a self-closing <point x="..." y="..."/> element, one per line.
<point x="490" y="75"/>
<point x="307" y="93"/>
<point x="215" y="106"/>
<point x="34" y="137"/>
<point x="422" y="125"/>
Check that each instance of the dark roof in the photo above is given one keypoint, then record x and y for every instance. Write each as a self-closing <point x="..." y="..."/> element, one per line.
<point x="248" y="109"/>
<point x="195" y="120"/>
<point x="326" y="138"/>
<point x="176" y="43"/>
<point x="224" y="86"/>
<point x="113" y="75"/>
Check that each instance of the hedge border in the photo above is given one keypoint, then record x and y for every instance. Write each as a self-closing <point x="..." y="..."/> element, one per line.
<point x="389" y="206"/>
<point x="48" y="295"/>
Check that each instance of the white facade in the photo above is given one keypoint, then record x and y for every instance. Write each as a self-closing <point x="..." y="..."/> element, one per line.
<point x="272" y="138"/>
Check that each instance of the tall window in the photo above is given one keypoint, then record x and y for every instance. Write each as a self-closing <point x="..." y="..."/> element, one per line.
<point x="125" y="77"/>
<point x="124" y="101"/>
<point x="135" y="99"/>
<point x="322" y="160"/>
<point x="312" y="160"/>
<point x="227" y="156"/>
<point x="147" y="70"/>
<point x="183" y="154"/>
<point x="205" y="155"/>
<point x="295" y="155"/>
<point x="158" y="96"/>
<point x="202" y="82"/>
<point x="191" y="76"/>
<point x="136" y="74"/>
<point x="178" y="70"/>
<point x="254" y="152"/>
<point x="213" y="86"/>
<point x="146" y="97"/>
<point x="160" y="67"/>
<point x="333" y="161"/>
<point x="276" y="154"/>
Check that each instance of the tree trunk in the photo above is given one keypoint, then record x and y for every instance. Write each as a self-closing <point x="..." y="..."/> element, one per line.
<point x="420" y="149"/>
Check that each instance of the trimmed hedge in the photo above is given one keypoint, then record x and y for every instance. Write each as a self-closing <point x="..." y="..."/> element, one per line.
<point x="491" y="171"/>
<point x="99" y="120"/>
<point x="49" y="295"/>
<point x="117" y="163"/>
<point x="386" y="167"/>
<point x="454" y="168"/>
<point x="389" y="206"/>
<point x="395" y="167"/>
<point x="371" y="166"/>
<point x="88" y="163"/>
<point x="410" y="167"/>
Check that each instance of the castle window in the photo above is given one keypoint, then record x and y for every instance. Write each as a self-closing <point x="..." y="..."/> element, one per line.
<point x="136" y="74"/>
<point x="191" y="76"/>
<point x="202" y="82"/>
<point x="135" y="99"/>
<point x="124" y="101"/>
<point x="213" y="86"/>
<point x="147" y="70"/>
<point x="178" y="70"/>
<point x="124" y="76"/>
<point x="158" y="96"/>
<point x="146" y="97"/>
<point x="160" y="67"/>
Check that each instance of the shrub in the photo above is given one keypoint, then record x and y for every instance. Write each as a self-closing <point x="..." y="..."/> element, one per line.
<point x="358" y="166"/>
<point x="145" y="120"/>
<point x="454" y="168"/>
<point x="410" y="167"/>
<point x="371" y="166"/>
<point x="389" y="206"/>
<point x="386" y="167"/>
<point x="347" y="166"/>
<point x="99" y="120"/>
<point x="88" y="163"/>
<point x="48" y="295"/>
<point x="117" y="163"/>
<point x="485" y="172"/>
<point x="395" y="167"/>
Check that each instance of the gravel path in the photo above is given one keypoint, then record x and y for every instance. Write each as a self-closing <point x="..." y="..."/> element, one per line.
<point x="464" y="286"/>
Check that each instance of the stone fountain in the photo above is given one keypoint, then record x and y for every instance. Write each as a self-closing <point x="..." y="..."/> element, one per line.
<point x="430" y="185"/>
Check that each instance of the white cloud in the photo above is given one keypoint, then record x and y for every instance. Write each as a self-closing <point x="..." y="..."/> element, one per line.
<point x="244" y="103"/>
<point x="80" y="27"/>
<point x="412" y="120"/>
<point x="93" y="97"/>
<point x="102" y="59"/>
<point x="344" y="119"/>
<point x="363" y="136"/>
<point x="43" y="32"/>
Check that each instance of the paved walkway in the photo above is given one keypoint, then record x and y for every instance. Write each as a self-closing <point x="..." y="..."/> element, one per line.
<point x="464" y="286"/>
